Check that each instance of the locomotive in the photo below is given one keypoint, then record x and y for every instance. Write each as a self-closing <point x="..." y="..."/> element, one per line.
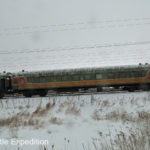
<point x="128" y="78"/>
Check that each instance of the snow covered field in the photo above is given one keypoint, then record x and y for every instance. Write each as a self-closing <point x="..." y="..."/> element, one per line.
<point x="93" y="122"/>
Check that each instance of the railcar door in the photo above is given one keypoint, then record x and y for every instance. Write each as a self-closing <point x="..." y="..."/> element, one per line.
<point x="2" y="84"/>
<point x="8" y="85"/>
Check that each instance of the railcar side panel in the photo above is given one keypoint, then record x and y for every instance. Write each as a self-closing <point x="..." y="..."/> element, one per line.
<point x="105" y="82"/>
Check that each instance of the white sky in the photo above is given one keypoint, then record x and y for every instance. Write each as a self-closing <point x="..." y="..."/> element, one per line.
<point x="54" y="34"/>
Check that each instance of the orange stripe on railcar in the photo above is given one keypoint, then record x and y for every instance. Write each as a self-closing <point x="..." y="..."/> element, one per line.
<point x="83" y="83"/>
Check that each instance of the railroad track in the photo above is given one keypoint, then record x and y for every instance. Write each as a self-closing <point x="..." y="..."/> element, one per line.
<point x="68" y="94"/>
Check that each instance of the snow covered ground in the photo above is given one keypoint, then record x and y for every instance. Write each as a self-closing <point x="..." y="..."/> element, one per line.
<point x="93" y="122"/>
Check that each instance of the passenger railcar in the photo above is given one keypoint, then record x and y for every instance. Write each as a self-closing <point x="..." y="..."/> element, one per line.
<point x="38" y="83"/>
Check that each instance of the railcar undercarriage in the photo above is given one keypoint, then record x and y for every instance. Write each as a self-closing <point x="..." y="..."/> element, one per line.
<point x="98" y="89"/>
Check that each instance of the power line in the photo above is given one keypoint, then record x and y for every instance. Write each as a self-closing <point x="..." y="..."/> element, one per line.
<point x="71" y="29"/>
<point x="78" y="23"/>
<point x="107" y="45"/>
<point x="45" y="29"/>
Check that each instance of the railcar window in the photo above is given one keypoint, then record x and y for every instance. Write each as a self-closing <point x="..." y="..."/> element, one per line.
<point x="41" y="79"/>
<point x="76" y="77"/>
<point x="136" y="74"/>
<point x="87" y="77"/>
<point x="110" y="75"/>
<point x="15" y="81"/>
<point x="143" y="74"/>
<point x="30" y="79"/>
<point x="22" y="80"/>
<point x="132" y="74"/>
<point x="140" y="74"/>
<point x="53" y="79"/>
<point x="98" y="76"/>
<point x="65" y="78"/>
<point x="122" y="75"/>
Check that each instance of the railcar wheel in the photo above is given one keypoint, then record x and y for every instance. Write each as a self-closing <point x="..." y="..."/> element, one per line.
<point x="144" y="87"/>
<point x="131" y="89"/>
<point x="27" y="94"/>
<point x="43" y="93"/>
<point x="99" y="89"/>
<point x="1" y="95"/>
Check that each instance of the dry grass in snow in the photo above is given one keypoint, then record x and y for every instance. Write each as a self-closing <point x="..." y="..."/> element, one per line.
<point x="103" y="121"/>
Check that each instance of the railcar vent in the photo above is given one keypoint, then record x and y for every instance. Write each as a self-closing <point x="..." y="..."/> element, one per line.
<point x="140" y="64"/>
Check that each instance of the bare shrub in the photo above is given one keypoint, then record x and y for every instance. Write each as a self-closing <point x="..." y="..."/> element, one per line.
<point x="139" y="140"/>
<point x="49" y="106"/>
<point x="32" y="122"/>
<point x="27" y="106"/>
<point x="105" y="103"/>
<point x="25" y="123"/>
<point x="63" y="105"/>
<point x="116" y="115"/>
<point x="42" y="111"/>
<point x="46" y="109"/>
<point x="23" y="114"/>
<point x="20" y="107"/>
<point x="41" y="147"/>
<point x="20" y="119"/>
<point x="73" y="110"/>
<point x="93" y="100"/>
<point x="96" y="115"/>
<point x="66" y="103"/>
<point x="144" y="115"/>
<point x="59" y="109"/>
<point x="134" y="141"/>
<point x="13" y="132"/>
<point x="55" y="120"/>
<point x="4" y="122"/>
<point x="13" y="121"/>
<point x="37" y="110"/>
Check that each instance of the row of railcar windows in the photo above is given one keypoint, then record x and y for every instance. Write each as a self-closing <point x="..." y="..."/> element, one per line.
<point x="97" y="76"/>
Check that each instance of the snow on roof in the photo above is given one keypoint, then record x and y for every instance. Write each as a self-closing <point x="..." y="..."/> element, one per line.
<point x="82" y="69"/>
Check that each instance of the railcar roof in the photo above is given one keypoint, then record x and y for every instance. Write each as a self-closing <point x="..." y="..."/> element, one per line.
<point x="134" y="67"/>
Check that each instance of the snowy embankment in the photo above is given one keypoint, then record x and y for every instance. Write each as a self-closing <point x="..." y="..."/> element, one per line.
<point x="93" y="122"/>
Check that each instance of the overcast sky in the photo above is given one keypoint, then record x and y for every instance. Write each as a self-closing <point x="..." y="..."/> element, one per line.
<point x="53" y="34"/>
